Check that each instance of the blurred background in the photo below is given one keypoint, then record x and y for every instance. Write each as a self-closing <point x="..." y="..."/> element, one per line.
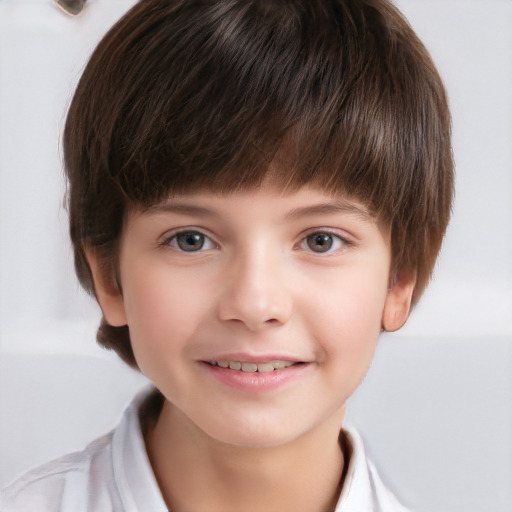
<point x="436" y="407"/>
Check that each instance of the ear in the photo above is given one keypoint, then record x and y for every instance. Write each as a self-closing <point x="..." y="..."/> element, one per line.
<point x="398" y="301"/>
<point x="107" y="292"/>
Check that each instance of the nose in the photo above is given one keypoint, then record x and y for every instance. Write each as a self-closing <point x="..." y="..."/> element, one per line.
<point x="256" y="293"/>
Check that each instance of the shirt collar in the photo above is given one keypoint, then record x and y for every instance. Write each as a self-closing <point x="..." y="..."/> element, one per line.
<point x="357" y="492"/>
<point x="133" y="474"/>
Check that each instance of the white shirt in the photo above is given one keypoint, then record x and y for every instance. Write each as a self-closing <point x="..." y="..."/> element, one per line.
<point x="113" y="474"/>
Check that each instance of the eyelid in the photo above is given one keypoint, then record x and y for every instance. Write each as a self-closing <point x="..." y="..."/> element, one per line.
<point x="339" y="233"/>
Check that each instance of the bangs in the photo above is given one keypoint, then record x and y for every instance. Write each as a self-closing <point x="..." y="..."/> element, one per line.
<point x="219" y="100"/>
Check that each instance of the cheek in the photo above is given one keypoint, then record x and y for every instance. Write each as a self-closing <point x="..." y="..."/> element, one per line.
<point x="347" y="319"/>
<point x="163" y="309"/>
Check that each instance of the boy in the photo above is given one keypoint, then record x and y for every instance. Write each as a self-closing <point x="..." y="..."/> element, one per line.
<point x="257" y="189"/>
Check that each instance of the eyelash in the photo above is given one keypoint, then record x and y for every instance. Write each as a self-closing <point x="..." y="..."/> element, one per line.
<point x="336" y="239"/>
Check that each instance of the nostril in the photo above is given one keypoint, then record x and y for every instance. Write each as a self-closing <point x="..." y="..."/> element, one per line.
<point x="71" y="7"/>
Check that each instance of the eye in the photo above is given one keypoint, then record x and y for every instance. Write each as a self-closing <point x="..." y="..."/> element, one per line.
<point x="190" y="241"/>
<point x="323" y="242"/>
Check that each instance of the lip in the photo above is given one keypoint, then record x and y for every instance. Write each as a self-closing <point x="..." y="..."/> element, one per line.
<point x="256" y="382"/>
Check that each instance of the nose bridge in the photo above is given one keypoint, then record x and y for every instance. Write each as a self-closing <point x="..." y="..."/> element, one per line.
<point x="255" y="292"/>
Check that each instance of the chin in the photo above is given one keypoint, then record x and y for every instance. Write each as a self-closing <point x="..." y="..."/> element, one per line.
<point x="263" y="434"/>
<point x="254" y="441"/>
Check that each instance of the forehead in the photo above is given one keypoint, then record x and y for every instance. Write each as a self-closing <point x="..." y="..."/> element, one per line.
<point x="307" y="200"/>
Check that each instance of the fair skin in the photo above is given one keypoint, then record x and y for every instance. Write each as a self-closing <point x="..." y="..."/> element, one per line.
<point x="295" y="285"/>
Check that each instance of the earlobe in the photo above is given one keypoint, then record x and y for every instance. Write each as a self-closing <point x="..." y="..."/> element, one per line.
<point x="398" y="301"/>
<point x="107" y="292"/>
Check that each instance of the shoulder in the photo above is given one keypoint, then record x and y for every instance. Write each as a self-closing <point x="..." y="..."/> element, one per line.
<point x="65" y="484"/>
<point x="112" y="474"/>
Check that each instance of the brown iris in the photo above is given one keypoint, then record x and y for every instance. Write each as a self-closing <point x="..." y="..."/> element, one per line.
<point x="320" y="242"/>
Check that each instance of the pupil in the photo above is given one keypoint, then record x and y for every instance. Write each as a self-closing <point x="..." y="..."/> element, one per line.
<point x="190" y="241"/>
<point x="321" y="242"/>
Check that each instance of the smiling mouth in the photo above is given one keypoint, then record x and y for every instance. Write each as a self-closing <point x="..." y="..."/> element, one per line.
<point x="254" y="367"/>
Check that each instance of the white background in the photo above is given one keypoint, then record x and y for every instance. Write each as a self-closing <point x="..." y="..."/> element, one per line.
<point x="436" y="408"/>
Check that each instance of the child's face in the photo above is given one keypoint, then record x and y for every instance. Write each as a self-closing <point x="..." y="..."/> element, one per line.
<point x="256" y="278"/>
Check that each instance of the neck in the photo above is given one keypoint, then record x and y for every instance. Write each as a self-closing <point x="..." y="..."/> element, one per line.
<point x="196" y="472"/>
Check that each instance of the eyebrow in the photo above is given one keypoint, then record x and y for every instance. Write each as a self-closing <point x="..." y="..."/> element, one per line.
<point x="327" y="208"/>
<point x="336" y="207"/>
<point x="185" y="209"/>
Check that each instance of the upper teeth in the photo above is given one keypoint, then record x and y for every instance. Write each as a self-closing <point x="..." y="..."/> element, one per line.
<point x="253" y="367"/>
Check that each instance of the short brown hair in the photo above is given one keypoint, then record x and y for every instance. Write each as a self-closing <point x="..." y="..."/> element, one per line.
<point x="204" y="94"/>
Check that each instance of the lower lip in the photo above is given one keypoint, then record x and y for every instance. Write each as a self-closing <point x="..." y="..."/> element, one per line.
<point x="256" y="382"/>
